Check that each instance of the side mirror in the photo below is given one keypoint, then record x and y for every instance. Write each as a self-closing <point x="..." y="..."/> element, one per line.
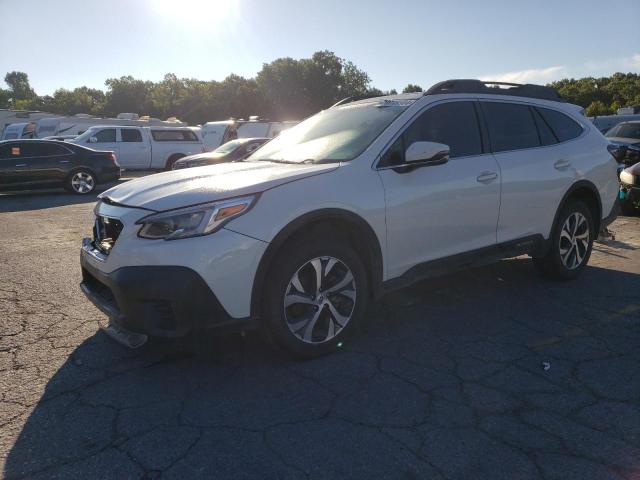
<point x="93" y="140"/>
<point x="427" y="153"/>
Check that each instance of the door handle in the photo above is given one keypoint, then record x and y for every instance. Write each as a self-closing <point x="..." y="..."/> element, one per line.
<point x="487" y="177"/>
<point x="562" y="165"/>
<point x="21" y="165"/>
<point x="64" y="161"/>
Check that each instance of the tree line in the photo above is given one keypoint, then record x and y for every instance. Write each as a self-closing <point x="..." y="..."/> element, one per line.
<point x="285" y="89"/>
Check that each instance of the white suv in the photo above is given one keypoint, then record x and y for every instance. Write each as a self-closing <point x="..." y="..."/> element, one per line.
<point x="366" y="196"/>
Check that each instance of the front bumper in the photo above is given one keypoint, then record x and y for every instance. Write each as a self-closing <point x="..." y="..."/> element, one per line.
<point x="630" y="193"/>
<point x="161" y="301"/>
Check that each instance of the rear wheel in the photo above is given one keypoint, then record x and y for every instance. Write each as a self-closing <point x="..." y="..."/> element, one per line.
<point x="316" y="295"/>
<point x="81" y="182"/>
<point x="571" y="243"/>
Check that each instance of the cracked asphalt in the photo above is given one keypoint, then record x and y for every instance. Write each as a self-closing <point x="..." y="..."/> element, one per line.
<point x="445" y="382"/>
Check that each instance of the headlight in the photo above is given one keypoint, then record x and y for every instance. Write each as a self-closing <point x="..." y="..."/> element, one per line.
<point x="626" y="176"/>
<point x="193" y="221"/>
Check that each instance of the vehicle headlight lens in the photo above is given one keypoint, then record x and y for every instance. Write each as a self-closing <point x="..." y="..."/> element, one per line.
<point x="193" y="221"/>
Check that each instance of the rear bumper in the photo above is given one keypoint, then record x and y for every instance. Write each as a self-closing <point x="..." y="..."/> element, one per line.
<point x="160" y="301"/>
<point x="109" y="174"/>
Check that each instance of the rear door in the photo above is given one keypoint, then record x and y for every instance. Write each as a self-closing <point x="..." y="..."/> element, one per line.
<point x="14" y="169"/>
<point x="536" y="168"/>
<point x="134" y="151"/>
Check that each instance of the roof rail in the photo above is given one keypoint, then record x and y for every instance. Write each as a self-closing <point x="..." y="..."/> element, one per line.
<point x="495" y="88"/>
<point x="354" y="99"/>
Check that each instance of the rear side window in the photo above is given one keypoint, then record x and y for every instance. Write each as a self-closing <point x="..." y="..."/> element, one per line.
<point x="452" y="123"/>
<point x="130" y="135"/>
<point x="564" y="127"/>
<point x="107" y="135"/>
<point x="547" y="137"/>
<point x="174" y="136"/>
<point x="511" y="126"/>
<point x="49" y="149"/>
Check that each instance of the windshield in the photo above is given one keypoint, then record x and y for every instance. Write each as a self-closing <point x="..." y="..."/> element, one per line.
<point x="336" y="134"/>
<point x="625" y="130"/>
<point x="85" y="136"/>
<point x="228" y="147"/>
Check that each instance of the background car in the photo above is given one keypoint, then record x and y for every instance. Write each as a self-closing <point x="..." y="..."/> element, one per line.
<point x="229" y="152"/>
<point x="30" y="164"/>
<point x="625" y="142"/>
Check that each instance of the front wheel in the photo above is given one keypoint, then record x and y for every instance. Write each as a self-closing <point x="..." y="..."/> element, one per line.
<point x="316" y="295"/>
<point x="571" y="243"/>
<point x="81" y="182"/>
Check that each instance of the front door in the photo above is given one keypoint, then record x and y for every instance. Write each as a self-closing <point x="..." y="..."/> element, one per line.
<point x="105" y="139"/>
<point x="437" y="211"/>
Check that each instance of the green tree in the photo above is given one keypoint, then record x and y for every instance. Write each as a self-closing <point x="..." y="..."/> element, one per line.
<point x="126" y="94"/>
<point x="19" y="87"/>
<point x="411" y="88"/>
<point x="597" y="108"/>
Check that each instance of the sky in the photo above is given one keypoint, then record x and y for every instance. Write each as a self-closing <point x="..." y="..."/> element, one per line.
<point x="71" y="43"/>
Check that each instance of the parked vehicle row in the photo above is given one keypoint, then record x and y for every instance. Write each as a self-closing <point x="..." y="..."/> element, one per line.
<point x="31" y="164"/>
<point x="362" y="198"/>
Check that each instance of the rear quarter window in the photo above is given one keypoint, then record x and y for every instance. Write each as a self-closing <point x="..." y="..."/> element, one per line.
<point x="174" y="136"/>
<point x="564" y="127"/>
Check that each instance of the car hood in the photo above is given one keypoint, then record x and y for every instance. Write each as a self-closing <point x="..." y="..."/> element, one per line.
<point x="201" y="156"/>
<point x="623" y="140"/>
<point x="192" y="186"/>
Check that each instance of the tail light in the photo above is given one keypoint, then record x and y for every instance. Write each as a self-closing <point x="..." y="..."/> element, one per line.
<point x="112" y="157"/>
<point x="617" y="151"/>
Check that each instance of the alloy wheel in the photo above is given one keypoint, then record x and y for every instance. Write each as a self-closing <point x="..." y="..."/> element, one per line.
<point x="574" y="240"/>
<point x="82" y="182"/>
<point x="319" y="300"/>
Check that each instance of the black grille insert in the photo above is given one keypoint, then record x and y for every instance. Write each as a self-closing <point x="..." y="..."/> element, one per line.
<point x="106" y="231"/>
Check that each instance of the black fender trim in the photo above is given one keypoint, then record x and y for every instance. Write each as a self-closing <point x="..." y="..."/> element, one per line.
<point x="580" y="184"/>
<point x="328" y="214"/>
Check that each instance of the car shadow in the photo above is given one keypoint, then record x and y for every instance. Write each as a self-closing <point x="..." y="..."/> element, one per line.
<point x="242" y="407"/>
<point x="26" y="200"/>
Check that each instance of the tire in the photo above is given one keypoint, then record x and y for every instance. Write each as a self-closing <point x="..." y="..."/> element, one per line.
<point x="571" y="243"/>
<point x="172" y="159"/>
<point x="299" y="319"/>
<point x="81" y="182"/>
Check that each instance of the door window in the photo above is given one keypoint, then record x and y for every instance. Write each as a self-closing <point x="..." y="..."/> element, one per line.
<point x="452" y="123"/>
<point x="563" y="127"/>
<point x="130" y="135"/>
<point x="511" y="126"/>
<point x="107" y="135"/>
<point x="49" y="149"/>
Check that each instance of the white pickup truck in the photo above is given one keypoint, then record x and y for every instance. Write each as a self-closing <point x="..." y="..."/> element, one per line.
<point x="144" y="147"/>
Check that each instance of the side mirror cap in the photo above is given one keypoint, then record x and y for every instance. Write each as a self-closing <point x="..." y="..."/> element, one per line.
<point x="93" y="140"/>
<point x="430" y="153"/>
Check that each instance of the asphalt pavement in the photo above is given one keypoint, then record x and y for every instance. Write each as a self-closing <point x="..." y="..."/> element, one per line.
<point x="490" y="373"/>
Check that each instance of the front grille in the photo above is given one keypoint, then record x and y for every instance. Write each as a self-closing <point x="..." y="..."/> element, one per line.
<point x="106" y="231"/>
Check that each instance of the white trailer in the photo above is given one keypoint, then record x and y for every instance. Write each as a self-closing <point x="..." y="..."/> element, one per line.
<point x="55" y="125"/>
<point x="217" y="133"/>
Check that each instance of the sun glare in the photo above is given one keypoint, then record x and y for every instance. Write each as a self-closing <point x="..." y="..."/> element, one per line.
<point x="201" y="12"/>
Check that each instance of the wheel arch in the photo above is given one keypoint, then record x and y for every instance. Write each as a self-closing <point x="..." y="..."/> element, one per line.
<point x="587" y="192"/>
<point x="172" y="157"/>
<point x="358" y="231"/>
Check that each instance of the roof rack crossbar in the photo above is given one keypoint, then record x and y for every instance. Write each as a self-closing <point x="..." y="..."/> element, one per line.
<point x="495" y="88"/>
<point x="354" y="99"/>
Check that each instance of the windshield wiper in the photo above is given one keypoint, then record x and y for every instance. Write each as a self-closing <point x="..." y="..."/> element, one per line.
<point x="279" y="161"/>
